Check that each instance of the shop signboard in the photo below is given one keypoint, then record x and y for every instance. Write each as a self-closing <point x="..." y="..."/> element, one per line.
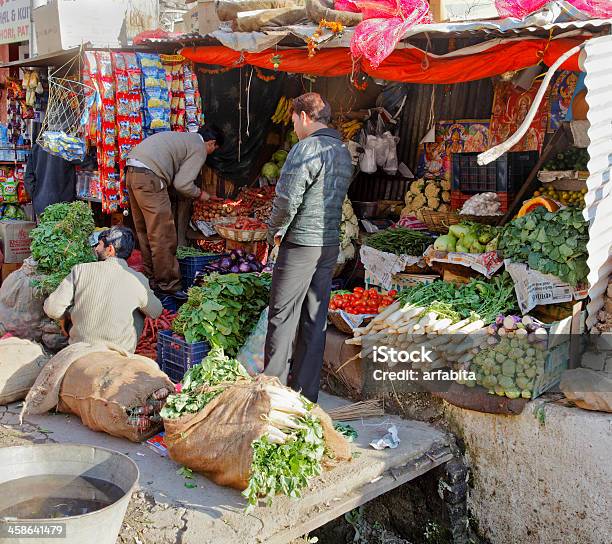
<point x="14" y="21"/>
<point x="64" y="24"/>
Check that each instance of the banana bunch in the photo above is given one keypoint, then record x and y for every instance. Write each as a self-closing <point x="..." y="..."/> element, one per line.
<point x="284" y="110"/>
<point x="348" y="129"/>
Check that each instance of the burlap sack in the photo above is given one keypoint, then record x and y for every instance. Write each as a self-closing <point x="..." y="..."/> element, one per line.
<point x="324" y="9"/>
<point x="228" y="10"/>
<point x="100" y="387"/>
<point x="588" y="389"/>
<point x="21" y="308"/>
<point x="217" y="440"/>
<point x="271" y="18"/>
<point x="20" y="364"/>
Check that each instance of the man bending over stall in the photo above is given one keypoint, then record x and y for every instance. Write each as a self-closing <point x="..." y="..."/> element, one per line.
<point x="105" y="300"/>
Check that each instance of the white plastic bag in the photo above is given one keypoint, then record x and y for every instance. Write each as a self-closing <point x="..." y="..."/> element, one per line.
<point x="390" y="165"/>
<point x="367" y="161"/>
<point x="251" y="355"/>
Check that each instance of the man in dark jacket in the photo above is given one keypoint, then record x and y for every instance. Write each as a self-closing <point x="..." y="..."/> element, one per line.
<point x="305" y="223"/>
<point x="49" y="179"/>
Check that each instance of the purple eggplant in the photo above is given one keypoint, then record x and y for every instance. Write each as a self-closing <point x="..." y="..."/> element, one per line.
<point x="251" y="258"/>
<point x="226" y="263"/>
<point x="253" y="267"/>
<point x="235" y="269"/>
<point x="244" y="267"/>
<point x="239" y="252"/>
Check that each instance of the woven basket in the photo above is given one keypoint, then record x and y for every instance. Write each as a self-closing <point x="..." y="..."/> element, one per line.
<point x="239" y="235"/>
<point x="569" y="184"/>
<point x="336" y="320"/>
<point x="438" y="221"/>
<point x="483" y="219"/>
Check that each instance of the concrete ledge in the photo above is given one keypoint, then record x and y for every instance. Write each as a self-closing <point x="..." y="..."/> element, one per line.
<point x="543" y="477"/>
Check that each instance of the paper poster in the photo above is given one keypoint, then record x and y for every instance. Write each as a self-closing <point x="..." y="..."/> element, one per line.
<point x="561" y="92"/>
<point x="383" y="265"/>
<point x="533" y="288"/>
<point x="452" y="137"/>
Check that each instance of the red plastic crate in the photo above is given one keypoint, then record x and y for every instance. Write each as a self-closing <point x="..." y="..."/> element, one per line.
<point x="458" y="199"/>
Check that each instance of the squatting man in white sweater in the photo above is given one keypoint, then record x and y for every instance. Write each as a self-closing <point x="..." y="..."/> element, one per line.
<point x="106" y="300"/>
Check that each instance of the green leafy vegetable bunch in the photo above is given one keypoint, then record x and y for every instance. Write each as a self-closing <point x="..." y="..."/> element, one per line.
<point x="550" y="242"/>
<point x="195" y="394"/>
<point x="224" y="310"/>
<point x="60" y="241"/>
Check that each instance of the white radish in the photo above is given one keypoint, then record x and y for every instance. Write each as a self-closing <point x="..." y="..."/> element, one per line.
<point x="282" y="419"/>
<point x="276" y="436"/>
<point x="459" y="325"/>
<point x="428" y="319"/>
<point x="389" y="310"/>
<point x="406" y="312"/>
<point x="441" y="325"/>
<point x="466" y="358"/>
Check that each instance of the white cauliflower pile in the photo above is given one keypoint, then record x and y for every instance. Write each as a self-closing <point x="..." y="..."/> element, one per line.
<point x="433" y="194"/>
<point x="349" y="232"/>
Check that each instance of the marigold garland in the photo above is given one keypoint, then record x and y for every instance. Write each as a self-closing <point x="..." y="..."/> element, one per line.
<point x="263" y="76"/>
<point x="336" y="28"/>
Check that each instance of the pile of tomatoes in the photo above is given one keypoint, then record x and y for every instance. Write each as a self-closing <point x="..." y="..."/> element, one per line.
<point x="246" y="223"/>
<point x="362" y="301"/>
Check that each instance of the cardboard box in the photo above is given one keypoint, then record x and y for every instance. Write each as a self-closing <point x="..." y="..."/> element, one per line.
<point x="463" y="10"/>
<point x="8" y="269"/>
<point x="202" y="18"/>
<point x="15" y="240"/>
<point x="64" y="24"/>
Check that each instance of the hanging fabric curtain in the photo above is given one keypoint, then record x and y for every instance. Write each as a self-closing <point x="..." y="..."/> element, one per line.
<point x="409" y="65"/>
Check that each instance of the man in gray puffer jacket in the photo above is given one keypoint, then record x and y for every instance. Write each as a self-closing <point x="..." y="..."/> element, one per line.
<point x="305" y="223"/>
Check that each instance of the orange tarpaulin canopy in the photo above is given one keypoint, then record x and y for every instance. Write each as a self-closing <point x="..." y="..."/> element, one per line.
<point x="410" y="65"/>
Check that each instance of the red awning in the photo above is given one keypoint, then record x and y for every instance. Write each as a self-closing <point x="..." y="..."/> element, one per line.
<point x="410" y="65"/>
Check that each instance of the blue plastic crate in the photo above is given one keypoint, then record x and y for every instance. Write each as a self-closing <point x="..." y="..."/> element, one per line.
<point x="176" y="356"/>
<point x="190" y="266"/>
<point x="170" y="303"/>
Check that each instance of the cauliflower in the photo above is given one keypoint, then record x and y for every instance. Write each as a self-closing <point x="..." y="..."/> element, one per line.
<point x="416" y="187"/>
<point x="433" y="203"/>
<point x="432" y="189"/>
<point x="418" y="202"/>
<point x="346" y="254"/>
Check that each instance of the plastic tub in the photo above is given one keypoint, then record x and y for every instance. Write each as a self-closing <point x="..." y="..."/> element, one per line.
<point x="68" y="462"/>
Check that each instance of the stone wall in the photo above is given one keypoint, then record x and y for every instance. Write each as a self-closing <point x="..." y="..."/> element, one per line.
<point x="542" y="477"/>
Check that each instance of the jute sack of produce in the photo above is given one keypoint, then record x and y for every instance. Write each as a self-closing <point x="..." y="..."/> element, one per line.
<point x="101" y="388"/>
<point x="271" y="17"/>
<point x="20" y="364"/>
<point x="21" y="309"/>
<point x="217" y="440"/>
<point x="588" y="389"/>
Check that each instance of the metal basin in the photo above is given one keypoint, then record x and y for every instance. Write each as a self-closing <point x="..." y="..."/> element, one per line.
<point x="77" y="472"/>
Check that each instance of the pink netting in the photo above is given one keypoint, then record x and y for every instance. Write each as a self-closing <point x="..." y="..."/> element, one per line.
<point x="346" y="5"/>
<point x="384" y="24"/>
<point x="519" y="9"/>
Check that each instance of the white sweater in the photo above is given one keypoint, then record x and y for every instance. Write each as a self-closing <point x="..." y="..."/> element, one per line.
<point x="102" y="298"/>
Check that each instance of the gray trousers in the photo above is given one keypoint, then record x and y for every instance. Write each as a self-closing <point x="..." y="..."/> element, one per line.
<point x="297" y="320"/>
